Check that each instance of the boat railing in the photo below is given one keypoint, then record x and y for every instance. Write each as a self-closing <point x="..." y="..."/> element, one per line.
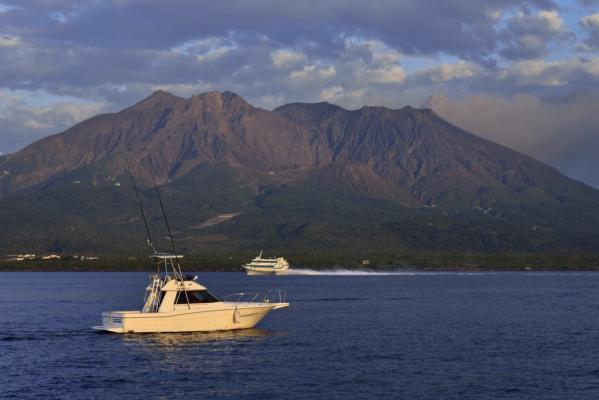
<point x="275" y="296"/>
<point x="270" y="296"/>
<point x="241" y="297"/>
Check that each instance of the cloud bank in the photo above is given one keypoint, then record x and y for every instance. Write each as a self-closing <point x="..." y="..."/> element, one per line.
<point x="563" y="132"/>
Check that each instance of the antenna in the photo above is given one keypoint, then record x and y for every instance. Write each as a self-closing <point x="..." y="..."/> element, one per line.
<point x="141" y="209"/>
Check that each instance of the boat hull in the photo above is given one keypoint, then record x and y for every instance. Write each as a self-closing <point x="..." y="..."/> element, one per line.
<point x="220" y="316"/>
<point x="264" y="271"/>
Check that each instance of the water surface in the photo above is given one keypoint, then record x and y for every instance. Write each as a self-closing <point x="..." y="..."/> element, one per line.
<point x="446" y="335"/>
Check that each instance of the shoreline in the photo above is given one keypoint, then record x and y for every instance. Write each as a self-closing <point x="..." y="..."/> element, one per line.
<point x="406" y="261"/>
<point x="306" y="271"/>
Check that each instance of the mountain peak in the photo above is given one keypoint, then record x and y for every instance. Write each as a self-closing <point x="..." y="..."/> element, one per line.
<point x="233" y="99"/>
<point x="156" y="98"/>
<point x="161" y="92"/>
<point x="220" y="100"/>
<point x="161" y="95"/>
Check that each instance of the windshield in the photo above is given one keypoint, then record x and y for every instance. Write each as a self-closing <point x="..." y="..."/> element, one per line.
<point x="196" y="296"/>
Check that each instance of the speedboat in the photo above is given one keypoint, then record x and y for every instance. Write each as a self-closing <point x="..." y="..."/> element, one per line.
<point x="177" y="303"/>
<point x="266" y="266"/>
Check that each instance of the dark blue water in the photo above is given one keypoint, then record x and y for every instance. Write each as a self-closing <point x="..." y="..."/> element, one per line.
<point x="449" y="336"/>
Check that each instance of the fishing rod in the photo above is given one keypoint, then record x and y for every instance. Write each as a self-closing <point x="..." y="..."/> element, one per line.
<point x="141" y="209"/>
<point x="168" y="228"/>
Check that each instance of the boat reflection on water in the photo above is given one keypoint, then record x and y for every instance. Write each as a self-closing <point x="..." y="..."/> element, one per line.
<point x="196" y="352"/>
<point x="165" y="340"/>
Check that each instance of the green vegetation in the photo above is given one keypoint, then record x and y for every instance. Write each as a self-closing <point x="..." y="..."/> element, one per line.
<point x="312" y="225"/>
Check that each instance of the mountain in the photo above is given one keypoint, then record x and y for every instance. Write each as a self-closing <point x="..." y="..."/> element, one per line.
<point x="303" y="178"/>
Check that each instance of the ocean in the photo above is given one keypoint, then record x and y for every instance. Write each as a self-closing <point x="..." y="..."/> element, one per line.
<point x="347" y="335"/>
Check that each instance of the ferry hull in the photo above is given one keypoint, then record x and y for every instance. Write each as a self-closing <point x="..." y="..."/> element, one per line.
<point x="264" y="271"/>
<point x="224" y="316"/>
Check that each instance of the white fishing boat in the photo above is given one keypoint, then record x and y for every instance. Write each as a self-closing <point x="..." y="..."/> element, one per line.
<point x="266" y="266"/>
<point x="178" y="303"/>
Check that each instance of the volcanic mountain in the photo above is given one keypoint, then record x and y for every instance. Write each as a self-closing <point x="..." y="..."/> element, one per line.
<point x="304" y="177"/>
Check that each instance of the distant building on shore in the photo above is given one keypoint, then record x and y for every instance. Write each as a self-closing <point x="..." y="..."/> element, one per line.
<point x="20" y="257"/>
<point x="51" y="257"/>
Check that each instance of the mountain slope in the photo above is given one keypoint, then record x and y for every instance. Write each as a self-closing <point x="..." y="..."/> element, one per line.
<point x="304" y="177"/>
<point x="171" y="134"/>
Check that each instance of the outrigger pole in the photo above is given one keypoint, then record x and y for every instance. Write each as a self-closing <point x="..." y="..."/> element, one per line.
<point x="141" y="209"/>
<point x="168" y="228"/>
<point x="176" y="270"/>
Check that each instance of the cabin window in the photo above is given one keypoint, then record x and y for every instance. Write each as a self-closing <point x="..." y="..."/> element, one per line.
<point x="196" y="296"/>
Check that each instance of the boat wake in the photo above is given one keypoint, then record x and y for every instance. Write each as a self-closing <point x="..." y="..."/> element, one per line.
<point x="364" y="272"/>
<point x="346" y="272"/>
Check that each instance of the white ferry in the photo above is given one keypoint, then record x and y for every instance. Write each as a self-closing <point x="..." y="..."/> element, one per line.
<point x="266" y="266"/>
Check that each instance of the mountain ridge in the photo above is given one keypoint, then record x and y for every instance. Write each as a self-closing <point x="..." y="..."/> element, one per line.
<point x="265" y="166"/>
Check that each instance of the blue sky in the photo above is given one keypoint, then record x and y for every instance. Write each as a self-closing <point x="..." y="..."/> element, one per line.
<point x="522" y="73"/>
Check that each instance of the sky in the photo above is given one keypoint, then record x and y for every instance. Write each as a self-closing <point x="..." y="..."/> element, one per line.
<point x="524" y="74"/>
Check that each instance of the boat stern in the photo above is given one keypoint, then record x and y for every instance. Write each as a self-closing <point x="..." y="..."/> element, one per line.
<point x="112" y="321"/>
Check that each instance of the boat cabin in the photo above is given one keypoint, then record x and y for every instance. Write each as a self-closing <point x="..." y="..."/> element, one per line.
<point x="173" y="293"/>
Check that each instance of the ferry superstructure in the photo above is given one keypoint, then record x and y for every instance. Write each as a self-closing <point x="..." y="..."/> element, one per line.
<point x="266" y="266"/>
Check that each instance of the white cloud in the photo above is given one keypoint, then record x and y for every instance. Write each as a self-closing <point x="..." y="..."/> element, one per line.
<point x="337" y="94"/>
<point x="387" y="74"/>
<point x="305" y="72"/>
<point x="554" y="21"/>
<point x="590" y="25"/>
<point x="371" y="62"/>
<point x="332" y="93"/>
<point x="9" y="41"/>
<point x="527" y="36"/>
<point x="591" y="21"/>
<point x="327" y="71"/>
<point x="494" y="14"/>
<point x="313" y="72"/>
<point x="561" y="132"/>
<point x="213" y="55"/>
<point x="206" y="49"/>
<point x="182" y="89"/>
<point x="23" y="121"/>
<point x="382" y="54"/>
<point x="284" y="58"/>
<point x="551" y="73"/>
<point x="447" y="72"/>
<point x="532" y="73"/>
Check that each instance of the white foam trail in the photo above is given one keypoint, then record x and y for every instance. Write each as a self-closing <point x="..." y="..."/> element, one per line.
<point x="347" y="272"/>
<point x="353" y="272"/>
